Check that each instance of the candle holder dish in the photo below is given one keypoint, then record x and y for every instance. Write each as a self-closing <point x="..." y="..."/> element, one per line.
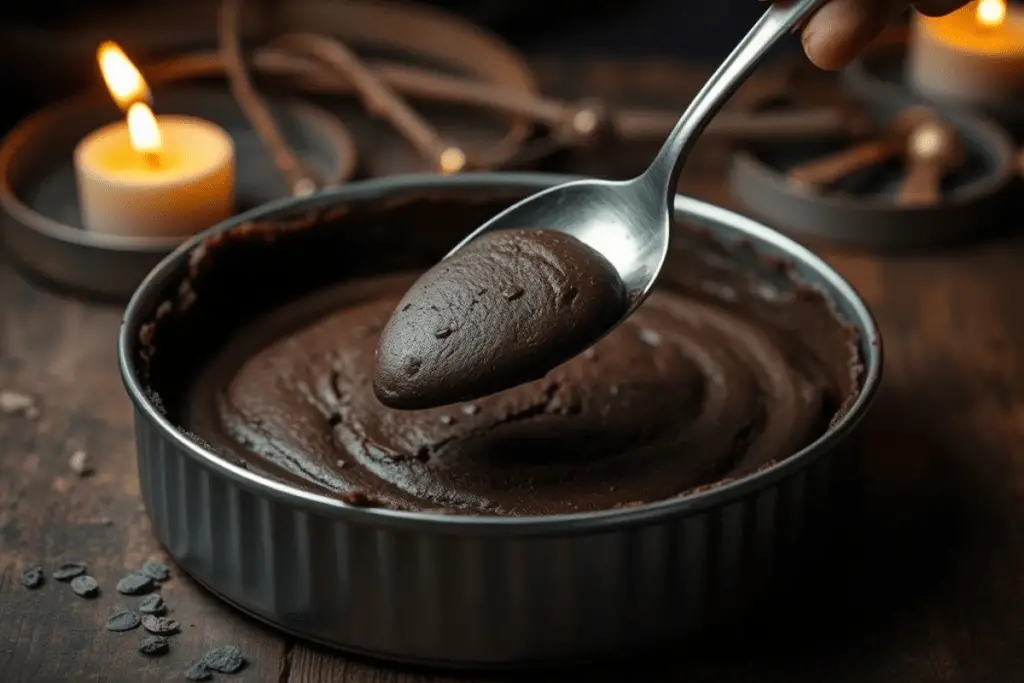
<point x="863" y="208"/>
<point x="452" y="589"/>
<point x="42" y="227"/>
<point x="880" y="74"/>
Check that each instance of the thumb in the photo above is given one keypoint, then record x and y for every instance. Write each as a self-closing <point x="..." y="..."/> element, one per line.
<point x="842" y="28"/>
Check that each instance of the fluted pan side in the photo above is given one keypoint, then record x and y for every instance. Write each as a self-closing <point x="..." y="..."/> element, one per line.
<point x="462" y="597"/>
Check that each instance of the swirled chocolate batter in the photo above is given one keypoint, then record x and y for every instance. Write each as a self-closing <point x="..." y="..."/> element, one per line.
<point x="503" y="310"/>
<point x="718" y="374"/>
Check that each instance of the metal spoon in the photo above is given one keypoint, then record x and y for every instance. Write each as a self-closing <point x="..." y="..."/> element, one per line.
<point x="628" y="221"/>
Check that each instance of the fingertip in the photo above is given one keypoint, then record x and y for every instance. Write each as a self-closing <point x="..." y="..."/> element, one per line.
<point x="837" y="32"/>
<point x="833" y="49"/>
<point x="822" y="51"/>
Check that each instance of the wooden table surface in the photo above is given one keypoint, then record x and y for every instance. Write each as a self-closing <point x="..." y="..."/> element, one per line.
<point x="924" y="584"/>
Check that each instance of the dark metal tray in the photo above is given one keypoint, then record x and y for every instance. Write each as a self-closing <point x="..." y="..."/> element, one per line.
<point x="861" y="211"/>
<point x="41" y="226"/>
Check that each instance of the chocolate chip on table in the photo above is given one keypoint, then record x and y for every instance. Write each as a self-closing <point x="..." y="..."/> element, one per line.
<point x="198" y="672"/>
<point x="158" y="571"/>
<point x="154" y="646"/>
<point x="161" y="626"/>
<point x="135" y="584"/>
<point x="85" y="586"/>
<point x="123" y="620"/>
<point x="69" y="570"/>
<point x="152" y="604"/>
<point x="226" y="659"/>
<point x="32" y="577"/>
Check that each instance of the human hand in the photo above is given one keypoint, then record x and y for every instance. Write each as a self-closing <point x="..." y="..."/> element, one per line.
<point x="842" y="28"/>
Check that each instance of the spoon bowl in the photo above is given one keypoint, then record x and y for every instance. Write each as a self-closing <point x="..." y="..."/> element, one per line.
<point x="628" y="222"/>
<point x="599" y="213"/>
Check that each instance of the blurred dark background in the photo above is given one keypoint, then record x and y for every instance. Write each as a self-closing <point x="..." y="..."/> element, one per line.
<point x="576" y="29"/>
<point x="683" y="28"/>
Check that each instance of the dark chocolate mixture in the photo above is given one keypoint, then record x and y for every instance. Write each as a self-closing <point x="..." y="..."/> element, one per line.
<point x="502" y="311"/>
<point x="718" y="374"/>
<point x="264" y="353"/>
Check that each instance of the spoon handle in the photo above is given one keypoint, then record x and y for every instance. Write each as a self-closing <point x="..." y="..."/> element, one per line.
<point x="778" y="21"/>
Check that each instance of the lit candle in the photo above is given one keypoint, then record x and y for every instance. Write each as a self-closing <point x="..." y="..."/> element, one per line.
<point x="974" y="55"/>
<point x="149" y="175"/>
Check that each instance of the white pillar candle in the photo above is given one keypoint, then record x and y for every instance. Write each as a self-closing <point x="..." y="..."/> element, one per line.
<point x="184" y="185"/>
<point x="170" y="176"/>
<point x="974" y="55"/>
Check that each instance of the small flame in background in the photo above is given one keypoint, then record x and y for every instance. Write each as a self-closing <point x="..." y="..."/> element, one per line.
<point x="131" y="94"/>
<point x="452" y="160"/>
<point x="123" y="80"/>
<point x="991" y="13"/>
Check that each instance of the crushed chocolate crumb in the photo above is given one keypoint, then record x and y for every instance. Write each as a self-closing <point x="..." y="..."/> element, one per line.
<point x="152" y="604"/>
<point x="122" y="619"/>
<point x="85" y="586"/>
<point x="154" y="646"/>
<point x="158" y="571"/>
<point x="69" y="570"/>
<point x="226" y="659"/>
<point x="161" y="626"/>
<point x="135" y="584"/>
<point x="32" y="577"/>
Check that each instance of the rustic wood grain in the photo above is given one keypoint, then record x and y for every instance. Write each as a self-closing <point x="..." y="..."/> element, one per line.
<point x="63" y="353"/>
<point x="921" y="583"/>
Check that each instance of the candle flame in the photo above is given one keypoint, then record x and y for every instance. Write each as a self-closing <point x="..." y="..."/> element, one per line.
<point x="123" y="80"/>
<point x="991" y="13"/>
<point x="131" y="94"/>
<point x="452" y="160"/>
<point x="142" y="129"/>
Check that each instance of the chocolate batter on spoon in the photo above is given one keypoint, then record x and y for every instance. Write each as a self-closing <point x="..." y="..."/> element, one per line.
<point x="500" y="312"/>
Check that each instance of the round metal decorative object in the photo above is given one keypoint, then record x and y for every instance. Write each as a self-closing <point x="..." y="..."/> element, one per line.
<point x="863" y="209"/>
<point x="42" y="227"/>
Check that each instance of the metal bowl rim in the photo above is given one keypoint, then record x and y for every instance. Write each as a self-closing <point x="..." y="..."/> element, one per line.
<point x="140" y="306"/>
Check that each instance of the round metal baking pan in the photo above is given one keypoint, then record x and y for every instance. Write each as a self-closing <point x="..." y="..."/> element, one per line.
<point x="861" y="211"/>
<point x="464" y="590"/>
<point x="880" y="73"/>
<point x="38" y="195"/>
